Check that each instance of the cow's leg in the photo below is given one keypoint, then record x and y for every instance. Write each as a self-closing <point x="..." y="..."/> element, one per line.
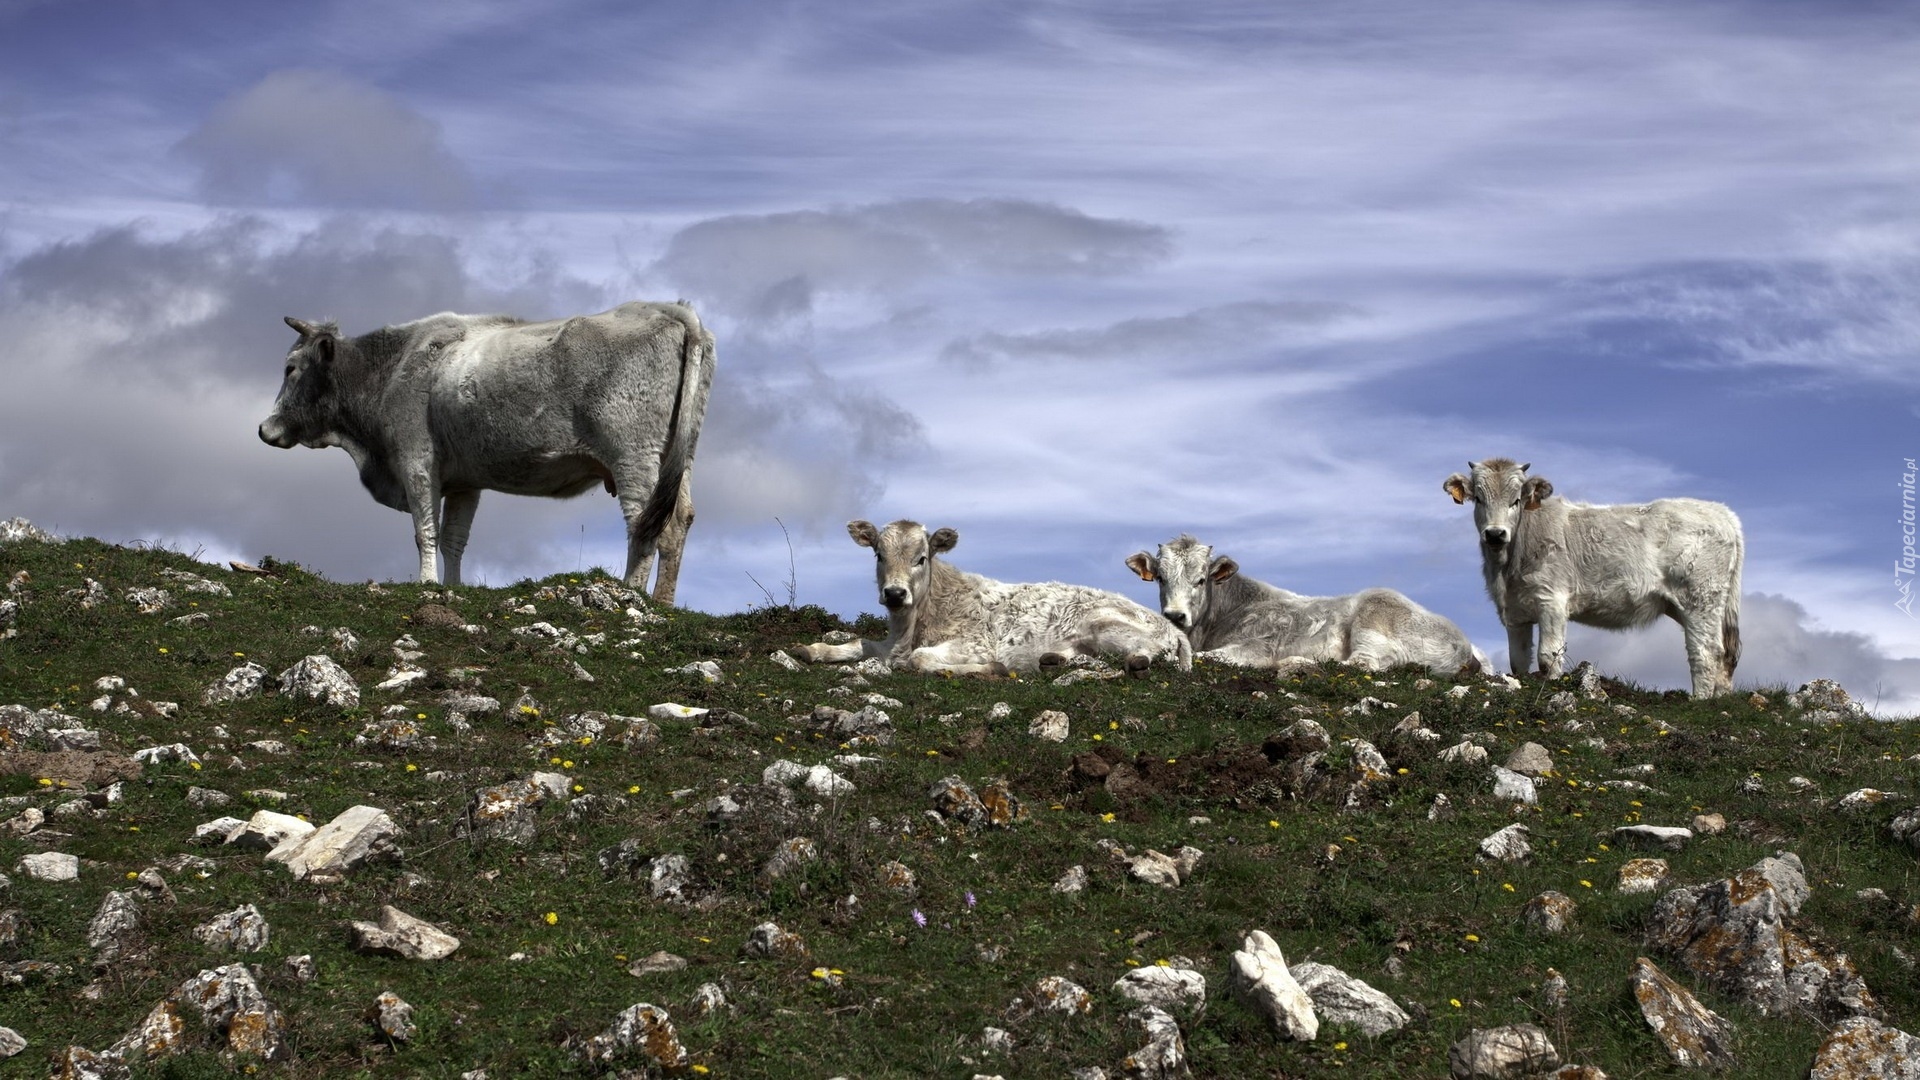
<point x="1520" y="648"/>
<point x="1704" y="659"/>
<point x="635" y="483"/>
<point x="1553" y="640"/>
<point x="821" y="652"/>
<point x="456" y="522"/>
<point x="423" y="499"/>
<point x="953" y="658"/>
<point x="673" y="542"/>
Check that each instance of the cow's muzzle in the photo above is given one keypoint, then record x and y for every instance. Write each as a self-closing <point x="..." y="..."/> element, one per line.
<point x="893" y="596"/>
<point x="1495" y="537"/>
<point x="1177" y="618"/>
<point x="274" y="433"/>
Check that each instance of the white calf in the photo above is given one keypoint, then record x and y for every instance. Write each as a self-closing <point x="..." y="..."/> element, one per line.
<point x="1235" y="619"/>
<point x="1547" y="560"/>
<point x="940" y="618"/>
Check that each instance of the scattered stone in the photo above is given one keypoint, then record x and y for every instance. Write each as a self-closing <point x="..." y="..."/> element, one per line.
<point x="789" y="856"/>
<point x="707" y="670"/>
<point x="1672" y="838"/>
<point x="392" y="1017"/>
<point x="49" y="866"/>
<point x="1824" y="700"/>
<point x="1510" y="786"/>
<point x="302" y="968"/>
<point x="158" y="755"/>
<point x="217" y="830"/>
<point x="1855" y="802"/>
<point x="1442" y="808"/>
<point x="1531" y="759"/>
<point x="1465" y="753"/>
<point x="243" y="929"/>
<point x="709" y="999"/>
<point x="11" y="1043"/>
<point x="657" y="963"/>
<point x="1168" y="987"/>
<point x="318" y="678"/>
<point x="1503" y="1053"/>
<point x="1261" y="978"/>
<point x="1051" y="725"/>
<point x="1550" y="913"/>
<point x="896" y="877"/>
<point x="768" y="939"/>
<point x="234" y="1015"/>
<point x="358" y="834"/>
<point x="1166" y="871"/>
<point x="1056" y="994"/>
<point x="1553" y="992"/>
<point x="266" y="830"/>
<point x="1709" y="824"/>
<point x="670" y="710"/>
<point x="1562" y="702"/>
<point x="1639" y="876"/>
<point x="954" y="799"/>
<point x="1694" y="1035"/>
<point x="1508" y="845"/>
<point x="1073" y="881"/>
<point x="642" y="1031"/>
<point x="400" y="934"/>
<point x="1862" y="1048"/>
<point x="239" y="684"/>
<point x="1003" y="808"/>
<point x="781" y="659"/>
<point x="1340" y="998"/>
<point x="1165" y="1055"/>
<point x="1905" y="828"/>
<point x="113" y="927"/>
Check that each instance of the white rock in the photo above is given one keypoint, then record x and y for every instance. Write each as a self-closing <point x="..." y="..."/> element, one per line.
<point x="318" y="678"/>
<point x="1465" y="752"/>
<point x="670" y="710"/>
<point x="781" y="659"/>
<point x="1671" y="837"/>
<point x="1510" y="786"/>
<point x="1260" y="976"/>
<point x="268" y="829"/>
<point x="1166" y="986"/>
<point x="1051" y="725"/>
<point x="825" y="782"/>
<point x="49" y="866"/>
<point x="339" y="845"/>
<point x="1073" y="881"/>
<point x="1508" y="845"/>
<point x="1342" y="999"/>
<point x="400" y="934"/>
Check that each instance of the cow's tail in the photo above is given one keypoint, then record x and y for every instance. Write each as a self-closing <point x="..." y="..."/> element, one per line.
<point x="683" y="428"/>
<point x="1730" y="621"/>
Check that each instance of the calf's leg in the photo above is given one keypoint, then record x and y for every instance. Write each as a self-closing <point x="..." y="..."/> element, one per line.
<point x="1520" y="649"/>
<point x="456" y="522"/>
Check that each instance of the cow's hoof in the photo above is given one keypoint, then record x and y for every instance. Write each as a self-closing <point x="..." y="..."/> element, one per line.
<point x="1053" y="659"/>
<point x="802" y="653"/>
<point x="1000" y="670"/>
<point x="1137" y="666"/>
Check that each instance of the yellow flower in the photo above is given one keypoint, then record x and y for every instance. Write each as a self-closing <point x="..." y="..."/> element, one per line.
<point x="1113" y="725"/>
<point x="634" y="789"/>
<point x="194" y="765"/>
<point x="1455" y="1002"/>
<point x="1273" y="824"/>
<point x="1350" y="839"/>
<point x="241" y="655"/>
<point x="419" y="716"/>
<point x="1473" y="937"/>
<point x="44" y="782"/>
<point x="411" y="767"/>
<point x="819" y="973"/>
<point x="553" y="761"/>
<point x="163" y="650"/>
<point x="552" y="917"/>
<point x="702" y="1069"/>
<point x="1339" y="1046"/>
<point x="1106" y="817"/>
<point x="1096" y="738"/>
<point x="1585" y="884"/>
<point x="133" y="875"/>
<point x="1507" y="885"/>
<point x="566" y="764"/>
<point x="133" y="828"/>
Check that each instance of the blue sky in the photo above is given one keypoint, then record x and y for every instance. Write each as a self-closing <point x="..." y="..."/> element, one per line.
<point x="1069" y="277"/>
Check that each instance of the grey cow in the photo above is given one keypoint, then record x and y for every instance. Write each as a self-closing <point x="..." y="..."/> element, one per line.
<point x="940" y="618"/>
<point x="444" y="407"/>
<point x="1235" y="619"/>
<point x="1547" y="560"/>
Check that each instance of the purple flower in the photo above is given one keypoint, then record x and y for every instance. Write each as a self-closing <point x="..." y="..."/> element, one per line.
<point x="970" y="900"/>
<point x="919" y="919"/>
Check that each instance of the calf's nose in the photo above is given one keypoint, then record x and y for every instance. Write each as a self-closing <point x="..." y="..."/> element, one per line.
<point x="893" y="596"/>
<point x="1496" y="536"/>
<point x="1177" y="618"/>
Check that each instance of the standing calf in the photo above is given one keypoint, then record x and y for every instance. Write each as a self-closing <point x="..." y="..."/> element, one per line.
<point x="1547" y="560"/>
<point x="1235" y="619"/>
<point x="940" y="618"/>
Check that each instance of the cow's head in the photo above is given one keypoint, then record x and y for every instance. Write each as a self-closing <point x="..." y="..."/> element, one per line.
<point x="1187" y="571"/>
<point x="903" y="558"/>
<point x="1501" y="491"/>
<point x="303" y="411"/>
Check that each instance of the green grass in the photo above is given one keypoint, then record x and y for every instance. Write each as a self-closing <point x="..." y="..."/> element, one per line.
<point x="914" y="1001"/>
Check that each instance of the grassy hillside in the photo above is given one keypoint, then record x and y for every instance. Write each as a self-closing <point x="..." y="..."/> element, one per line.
<point x="903" y="981"/>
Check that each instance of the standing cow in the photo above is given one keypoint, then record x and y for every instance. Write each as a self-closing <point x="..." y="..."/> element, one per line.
<point x="940" y="618"/>
<point x="447" y="406"/>
<point x="1547" y="560"/>
<point x="1235" y="619"/>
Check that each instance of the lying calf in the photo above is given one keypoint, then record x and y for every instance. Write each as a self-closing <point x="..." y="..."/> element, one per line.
<point x="1235" y="619"/>
<point x="940" y="618"/>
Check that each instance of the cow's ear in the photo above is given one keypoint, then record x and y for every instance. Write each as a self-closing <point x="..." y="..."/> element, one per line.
<point x="1456" y="486"/>
<point x="1535" y="491"/>
<point x="323" y="348"/>
<point x="1527" y="466"/>
<point x="1141" y="563"/>
<point x="1222" y="569"/>
<point x="863" y="533"/>
<point x="943" y="540"/>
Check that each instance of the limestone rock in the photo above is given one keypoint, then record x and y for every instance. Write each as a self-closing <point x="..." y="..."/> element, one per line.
<point x="657" y="963"/>
<point x="1465" y="753"/>
<point x="1510" y="786"/>
<point x="643" y="1032"/>
<point x="1862" y="1048"/>
<point x="50" y="866"/>
<point x="1508" y="845"/>
<point x="1670" y="837"/>
<point x="1644" y="876"/>
<point x="266" y="830"/>
<point x="1339" y="998"/>
<point x="1165" y="1055"/>
<point x="954" y="799"/>
<point x="233" y="1012"/>
<point x="1166" y="871"/>
<point x="768" y="939"/>
<point x="1695" y="1035"/>
<point x="1056" y="994"/>
<point x="1051" y="725"/>
<point x="1550" y="913"/>
<point x="392" y="1017"/>
<point x="1261" y="978"/>
<point x="238" y="684"/>
<point x="1503" y="1053"/>
<point x="1073" y="881"/>
<point x="243" y="929"/>
<point x="113" y="926"/>
<point x="1531" y="759"/>
<point x="790" y="855"/>
<point x="355" y="835"/>
<point x="1168" y="987"/>
<point x="400" y="934"/>
<point x="11" y="1043"/>
<point x="1299" y="739"/>
<point x="1855" y="802"/>
<point x="318" y="678"/>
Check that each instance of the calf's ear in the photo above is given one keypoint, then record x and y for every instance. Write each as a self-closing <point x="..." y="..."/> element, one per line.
<point x="1141" y="563"/>
<point x="943" y="540"/>
<point x="1221" y="569"/>
<point x="1456" y="486"/>
<point x="863" y="533"/>
<point x="1535" y="490"/>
